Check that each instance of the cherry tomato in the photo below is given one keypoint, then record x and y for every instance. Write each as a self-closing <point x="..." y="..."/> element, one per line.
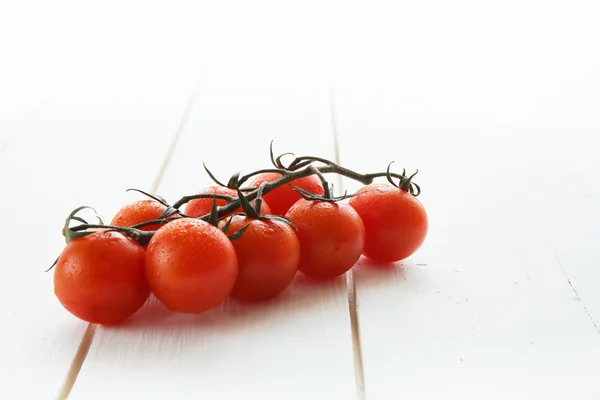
<point x="200" y="207"/>
<point x="100" y="278"/>
<point x="281" y="199"/>
<point x="191" y="266"/>
<point x="395" y="221"/>
<point x="268" y="256"/>
<point x="139" y="211"/>
<point x="331" y="237"/>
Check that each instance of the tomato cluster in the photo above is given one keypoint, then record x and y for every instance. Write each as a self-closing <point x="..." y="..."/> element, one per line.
<point x="192" y="265"/>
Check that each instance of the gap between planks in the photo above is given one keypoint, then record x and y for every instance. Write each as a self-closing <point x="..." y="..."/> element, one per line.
<point x="359" y="375"/>
<point x="88" y="337"/>
<point x="564" y="271"/>
<point x="90" y="332"/>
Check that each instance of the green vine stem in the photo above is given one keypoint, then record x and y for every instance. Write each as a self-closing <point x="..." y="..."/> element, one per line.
<point x="327" y="190"/>
<point x="142" y="237"/>
<point x="405" y="184"/>
<point x="324" y="183"/>
<point x="300" y="167"/>
<point x="186" y="199"/>
<point x="289" y="176"/>
<point x="244" y="178"/>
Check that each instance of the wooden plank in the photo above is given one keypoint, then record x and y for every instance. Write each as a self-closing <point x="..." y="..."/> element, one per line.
<point x="559" y="184"/>
<point x="86" y="147"/>
<point x="484" y="297"/>
<point x="567" y="217"/>
<point x="297" y="346"/>
<point x="483" y="309"/>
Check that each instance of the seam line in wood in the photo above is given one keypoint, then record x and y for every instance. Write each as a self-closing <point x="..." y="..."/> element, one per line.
<point x="77" y="363"/>
<point x="575" y="292"/>
<point x="182" y="123"/>
<point x="350" y="284"/>
<point x="90" y="332"/>
<point x="564" y="271"/>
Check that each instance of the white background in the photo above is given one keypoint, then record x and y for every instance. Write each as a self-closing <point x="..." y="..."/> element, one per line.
<point x="496" y="103"/>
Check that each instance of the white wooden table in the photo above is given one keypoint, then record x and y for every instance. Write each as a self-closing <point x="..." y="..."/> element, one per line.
<point x="497" y="106"/>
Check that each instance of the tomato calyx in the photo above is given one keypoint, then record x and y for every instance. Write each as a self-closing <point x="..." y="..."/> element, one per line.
<point x="70" y="233"/>
<point x="53" y="264"/>
<point x="276" y="161"/>
<point x="169" y="208"/>
<point x="187" y="199"/>
<point x="154" y="197"/>
<point x="254" y="212"/>
<point x="327" y="190"/>
<point x="404" y="183"/>
<point x="247" y="211"/>
<point x="298" y="162"/>
<point x="73" y="232"/>
<point x="305" y="161"/>
<point x="306" y="195"/>
<point x="214" y="178"/>
<point x="237" y="234"/>
<point x="234" y="182"/>
<point x="84" y="229"/>
<point x="213" y="219"/>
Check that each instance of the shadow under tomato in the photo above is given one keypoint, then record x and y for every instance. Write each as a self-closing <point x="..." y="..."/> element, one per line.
<point x="308" y="283"/>
<point x="153" y="312"/>
<point x="369" y="273"/>
<point x="302" y="297"/>
<point x="367" y="265"/>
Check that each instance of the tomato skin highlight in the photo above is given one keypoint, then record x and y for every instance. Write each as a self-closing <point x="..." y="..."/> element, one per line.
<point x="268" y="256"/>
<point x="201" y="207"/>
<point x="395" y="221"/>
<point x="137" y="212"/>
<point x="100" y="278"/>
<point x="331" y="236"/>
<point x="282" y="198"/>
<point x="191" y="266"/>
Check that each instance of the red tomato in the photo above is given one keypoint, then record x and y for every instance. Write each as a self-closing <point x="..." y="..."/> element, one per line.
<point x="268" y="256"/>
<point x="137" y="212"/>
<point x="201" y="207"/>
<point x="191" y="265"/>
<point x="281" y="199"/>
<point x="100" y="278"/>
<point x="331" y="237"/>
<point x="395" y="221"/>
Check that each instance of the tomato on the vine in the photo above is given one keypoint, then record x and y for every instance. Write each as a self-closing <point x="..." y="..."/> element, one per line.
<point x="191" y="265"/>
<point x="137" y="212"/>
<point x="100" y="278"/>
<point x="282" y="198"/>
<point x="203" y="206"/>
<point x="395" y="221"/>
<point x="331" y="237"/>
<point x="268" y="254"/>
